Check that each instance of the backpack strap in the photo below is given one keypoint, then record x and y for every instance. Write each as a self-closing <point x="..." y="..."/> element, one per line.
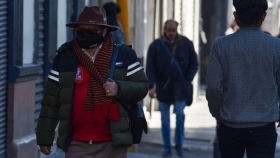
<point x="172" y="57"/>
<point x="113" y="62"/>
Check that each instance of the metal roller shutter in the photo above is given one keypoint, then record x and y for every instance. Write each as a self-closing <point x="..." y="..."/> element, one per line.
<point x="3" y="74"/>
<point x="40" y="61"/>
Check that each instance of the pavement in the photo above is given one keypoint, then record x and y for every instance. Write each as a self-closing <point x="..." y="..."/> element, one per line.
<point x="199" y="135"/>
<point x="199" y="127"/>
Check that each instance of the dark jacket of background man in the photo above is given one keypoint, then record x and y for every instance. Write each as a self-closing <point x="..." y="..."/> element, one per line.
<point x="162" y="72"/>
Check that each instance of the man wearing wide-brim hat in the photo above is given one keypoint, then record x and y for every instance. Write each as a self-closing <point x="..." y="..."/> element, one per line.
<point x="92" y="122"/>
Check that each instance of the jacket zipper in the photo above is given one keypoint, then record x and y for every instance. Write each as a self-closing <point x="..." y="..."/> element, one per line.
<point x="70" y="132"/>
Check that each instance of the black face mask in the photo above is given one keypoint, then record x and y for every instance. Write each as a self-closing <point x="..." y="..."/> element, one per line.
<point x="90" y="40"/>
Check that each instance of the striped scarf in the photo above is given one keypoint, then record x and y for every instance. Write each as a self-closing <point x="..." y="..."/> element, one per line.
<point x="98" y="72"/>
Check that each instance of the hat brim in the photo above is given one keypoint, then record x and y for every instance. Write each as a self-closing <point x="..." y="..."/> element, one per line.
<point x="76" y="24"/>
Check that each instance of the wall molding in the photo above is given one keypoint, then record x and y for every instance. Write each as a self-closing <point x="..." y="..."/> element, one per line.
<point x="70" y="18"/>
<point x="17" y="71"/>
<point x="50" y="33"/>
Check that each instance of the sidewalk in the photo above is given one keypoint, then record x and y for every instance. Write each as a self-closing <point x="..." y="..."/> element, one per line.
<point x="147" y="151"/>
<point x="154" y="151"/>
<point x="199" y="132"/>
<point x="199" y="135"/>
<point x="199" y="127"/>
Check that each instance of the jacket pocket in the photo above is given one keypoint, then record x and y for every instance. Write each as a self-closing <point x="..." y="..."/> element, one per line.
<point x="183" y="91"/>
<point x="164" y="90"/>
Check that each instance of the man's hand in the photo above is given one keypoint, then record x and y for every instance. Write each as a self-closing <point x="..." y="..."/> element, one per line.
<point x="110" y="88"/>
<point x="152" y="93"/>
<point x="278" y="125"/>
<point x="45" y="150"/>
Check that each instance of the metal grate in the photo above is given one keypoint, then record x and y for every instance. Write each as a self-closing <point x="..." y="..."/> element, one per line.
<point x="3" y="74"/>
<point x="40" y="81"/>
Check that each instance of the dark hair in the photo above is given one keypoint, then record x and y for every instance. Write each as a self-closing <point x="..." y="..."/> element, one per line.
<point x="250" y="11"/>
<point x="168" y="21"/>
<point x="111" y="8"/>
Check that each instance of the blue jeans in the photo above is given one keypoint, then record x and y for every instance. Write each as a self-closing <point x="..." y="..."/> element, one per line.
<point x="165" y="123"/>
<point x="259" y="142"/>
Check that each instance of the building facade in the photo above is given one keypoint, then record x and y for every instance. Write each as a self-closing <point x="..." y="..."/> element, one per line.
<point x="36" y="29"/>
<point x="31" y="31"/>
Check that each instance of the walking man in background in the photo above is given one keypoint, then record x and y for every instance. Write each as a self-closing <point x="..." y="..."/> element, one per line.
<point x="93" y="124"/>
<point x="171" y="66"/>
<point x="243" y="85"/>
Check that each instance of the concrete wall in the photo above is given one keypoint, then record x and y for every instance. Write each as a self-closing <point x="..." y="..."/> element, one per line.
<point x="21" y="140"/>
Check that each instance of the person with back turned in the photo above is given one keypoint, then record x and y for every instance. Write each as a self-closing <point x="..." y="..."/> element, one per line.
<point x="243" y="81"/>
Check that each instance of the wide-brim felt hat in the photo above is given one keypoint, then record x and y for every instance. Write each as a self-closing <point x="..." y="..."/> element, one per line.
<point x="93" y="15"/>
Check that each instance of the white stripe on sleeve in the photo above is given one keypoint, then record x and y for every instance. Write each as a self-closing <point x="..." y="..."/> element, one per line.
<point x="134" y="71"/>
<point x="133" y="65"/>
<point x="53" y="78"/>
<point x="54" y="72"/>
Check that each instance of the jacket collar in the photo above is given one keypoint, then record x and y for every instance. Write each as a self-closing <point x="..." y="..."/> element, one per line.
<point x="175" y="41"/>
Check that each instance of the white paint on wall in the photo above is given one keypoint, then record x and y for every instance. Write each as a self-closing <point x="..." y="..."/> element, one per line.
<point x="140" y="27"/>
<point x="28" y="31"/>
<point x="196" y="17"/>
<point x="87" y="3"/>
<point x="178" y="14"/>
<point x="61" y="22"/>
<point x="188" y="18"/>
